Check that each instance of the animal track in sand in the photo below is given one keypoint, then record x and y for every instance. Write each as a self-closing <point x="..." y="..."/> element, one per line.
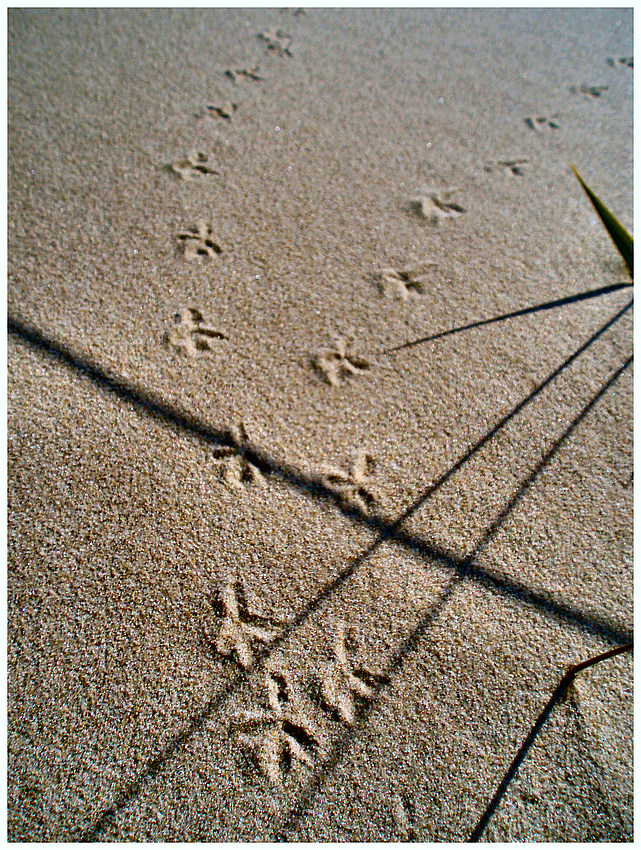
<point x="591" y="92"/>
<point x="343" y="683"/>
<point x="402" y="283"/>
<point x="191" y="336"/>
<point x="218" y="110"/>
<point x="540" y="122"/>
<point x="198" y="242"/>
<point x="235" y="468"/>
<point x="244" y="73"/>
<point x="624" y="61"/>
<point x="515" y="167"/>
<point x="336" y="364"/>
<point x="353" y="487"/>
<point x="279" y="734"/>
<point x="241" y="628"/>
<point x="277" y="40"/>
<point x="436" y="206"/>
<point x="193" y="167"/>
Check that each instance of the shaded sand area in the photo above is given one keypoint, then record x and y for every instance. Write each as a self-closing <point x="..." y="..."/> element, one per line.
<point x="300" y="545"/>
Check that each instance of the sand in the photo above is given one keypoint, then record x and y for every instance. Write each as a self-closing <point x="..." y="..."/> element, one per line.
<point x="273" y="573"/>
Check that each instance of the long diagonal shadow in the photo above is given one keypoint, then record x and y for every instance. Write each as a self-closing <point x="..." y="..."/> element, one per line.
<point x="555" y="699"/>
<point x="549" y="305"/>
<point x="464" y="568"/>
<point x="288" y="474"/>
<point x="509" y="587"/>
<point x="295" y="477"/>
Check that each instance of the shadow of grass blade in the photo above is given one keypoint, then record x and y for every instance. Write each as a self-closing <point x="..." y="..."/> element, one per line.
<point x="617" y="231"/>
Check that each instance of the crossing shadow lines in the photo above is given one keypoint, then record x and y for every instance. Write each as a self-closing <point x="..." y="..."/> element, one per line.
<point x="287" y="473"/>
<point x="290" y="475"/>
<point x="468" y="569"/>
<point x="260" y="659"/>
<point x="512" y="413"/>
<point x="549" y="305"/>
<point x="314" y="487"/>
<point x="510" y="587"/>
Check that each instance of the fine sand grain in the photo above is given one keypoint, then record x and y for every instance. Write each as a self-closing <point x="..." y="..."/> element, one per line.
<point x="308" y="514"/>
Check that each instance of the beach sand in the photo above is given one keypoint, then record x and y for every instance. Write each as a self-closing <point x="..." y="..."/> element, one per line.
<point x="274" y="572"/>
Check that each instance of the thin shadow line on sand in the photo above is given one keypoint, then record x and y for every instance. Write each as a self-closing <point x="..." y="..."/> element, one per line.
<point x="549" y="305"/>
<point x="289" y="474"/>
<point x="555" y="699"/>
<point x="463" y="568"/>
<point x="342" y="744"/>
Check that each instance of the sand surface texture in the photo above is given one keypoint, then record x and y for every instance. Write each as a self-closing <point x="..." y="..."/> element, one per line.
<point x="300" y="542"/>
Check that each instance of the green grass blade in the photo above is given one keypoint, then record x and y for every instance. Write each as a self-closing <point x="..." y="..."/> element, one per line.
<point x="617" y="231"/>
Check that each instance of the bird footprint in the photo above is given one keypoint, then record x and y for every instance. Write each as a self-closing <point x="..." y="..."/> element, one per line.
<point x="344" y="682"/>
<point x="353" y="487"/>
<point x="240" y="628"/>
<point x="337" y="363"/>
<point x="436" y="206"/>
<point x="279" y="734"/>
<point x="191" y="336"/>
<point x="198" y="242"/>
<point x="402" y="283"/>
